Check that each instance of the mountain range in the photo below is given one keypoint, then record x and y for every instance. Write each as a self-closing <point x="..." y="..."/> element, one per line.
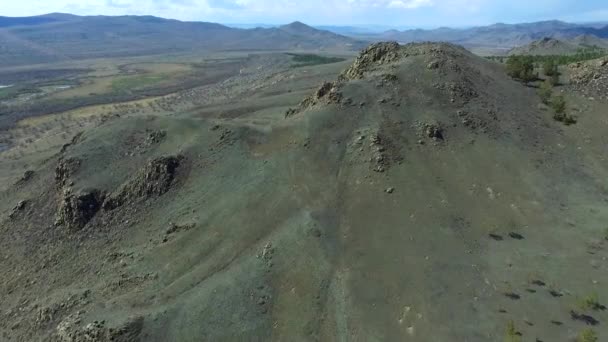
<point x="56" y="37"/>
<point x="497" y="35"/>
<point x="552" y="46"/>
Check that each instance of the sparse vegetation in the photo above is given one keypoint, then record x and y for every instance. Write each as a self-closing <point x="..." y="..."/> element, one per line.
<point x="126" y="84"/>
<point x="511" y="333"/>
<point x="583" y="54"/>
<point x="521" y="68"/>
<point x="587" y="335"/>
<point x="591" y="302"/>
<point x="550" y="67"/>
<point x="312" y="59"/>
<point x="558" y="104"/>
<point x="545" y="92"/>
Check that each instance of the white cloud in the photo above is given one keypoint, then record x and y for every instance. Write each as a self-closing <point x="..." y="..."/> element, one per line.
<point x="409" y="3"/>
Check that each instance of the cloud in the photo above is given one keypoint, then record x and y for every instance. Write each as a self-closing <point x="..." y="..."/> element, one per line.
<point x="409" y="3"/>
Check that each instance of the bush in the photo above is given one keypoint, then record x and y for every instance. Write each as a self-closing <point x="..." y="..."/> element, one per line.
<point x="545" y="92"/>
<point x="558" y="103"/>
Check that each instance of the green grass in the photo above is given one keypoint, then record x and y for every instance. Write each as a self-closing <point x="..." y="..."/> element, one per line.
<point x="587" y="335"/>
<point x="14" y="91"/>
<point x="302" y="60"/>
<point x="511" y="333"/>
<point x="125" y="84"/>
<point x="590" y="302"/>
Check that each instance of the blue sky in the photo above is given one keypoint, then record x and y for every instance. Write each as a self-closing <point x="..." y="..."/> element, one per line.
<point x="410" y="13"/>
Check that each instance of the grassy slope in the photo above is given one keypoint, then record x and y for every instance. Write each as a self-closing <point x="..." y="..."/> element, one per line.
<point x="344" y="260"/>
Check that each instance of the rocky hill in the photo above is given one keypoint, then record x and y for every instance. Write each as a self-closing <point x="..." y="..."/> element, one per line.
<point x="590" y="78"/>
<point x="551" y="46"/>
<point x="546" y="46"/>
<point x="422" y="195"/>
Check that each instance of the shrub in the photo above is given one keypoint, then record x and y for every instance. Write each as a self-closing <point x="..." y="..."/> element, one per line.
<point x="545" y="92"/>
<point x="587" y="335"/>
<point x="559" y="105"/>
<point x="590" y="302"/>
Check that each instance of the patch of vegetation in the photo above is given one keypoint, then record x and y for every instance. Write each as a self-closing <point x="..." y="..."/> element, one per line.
<point x="129" y="83"/>
<point x="606" y="234"/>
<point x="591" y="302"/>
<point x="303" y="60"/>
<point x="511" y="334"/>
<point x="545" y="92"/>
<point x="587" y="335"/>
<point x="558" y="103"/>
<point x="550" y="69"/>
<point x="15" y="91"/>
<point x="583" y="54"/>
<point x="521" y="68"/>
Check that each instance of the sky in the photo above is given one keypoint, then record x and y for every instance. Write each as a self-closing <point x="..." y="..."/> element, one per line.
<point x="398" y="13"/>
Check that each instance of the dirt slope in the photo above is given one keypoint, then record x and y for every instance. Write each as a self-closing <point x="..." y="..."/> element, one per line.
<point x="421" y="196"/>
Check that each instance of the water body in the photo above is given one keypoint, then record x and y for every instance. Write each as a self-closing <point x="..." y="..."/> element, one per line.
<point x="5" y="86"/>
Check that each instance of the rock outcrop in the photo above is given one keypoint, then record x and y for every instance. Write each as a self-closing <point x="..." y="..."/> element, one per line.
<point x="154" y="179"/>
<point x="71" y="330"/>
<point x="65" y="169"/>
<point x="77" y="209"/>
<point x="328" y="93"/>
<point x="590" y="78"/>
<point x="375" y="54"/>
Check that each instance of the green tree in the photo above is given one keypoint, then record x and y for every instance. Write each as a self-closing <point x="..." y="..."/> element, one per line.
<point x="546" y="91"/>
<point x="559" y="105"/>
<point x="521" y="68"/>
<point x="550" y="67"/>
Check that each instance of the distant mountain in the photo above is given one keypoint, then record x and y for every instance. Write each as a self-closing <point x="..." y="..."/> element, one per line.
<point x="546" y="46"/>
<point x="497" y="35"/>
<point x="63" y="37"/>
<point x="588" y="40"/>
<point x="552" y="46"/>
<point x="36" y="20"/>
